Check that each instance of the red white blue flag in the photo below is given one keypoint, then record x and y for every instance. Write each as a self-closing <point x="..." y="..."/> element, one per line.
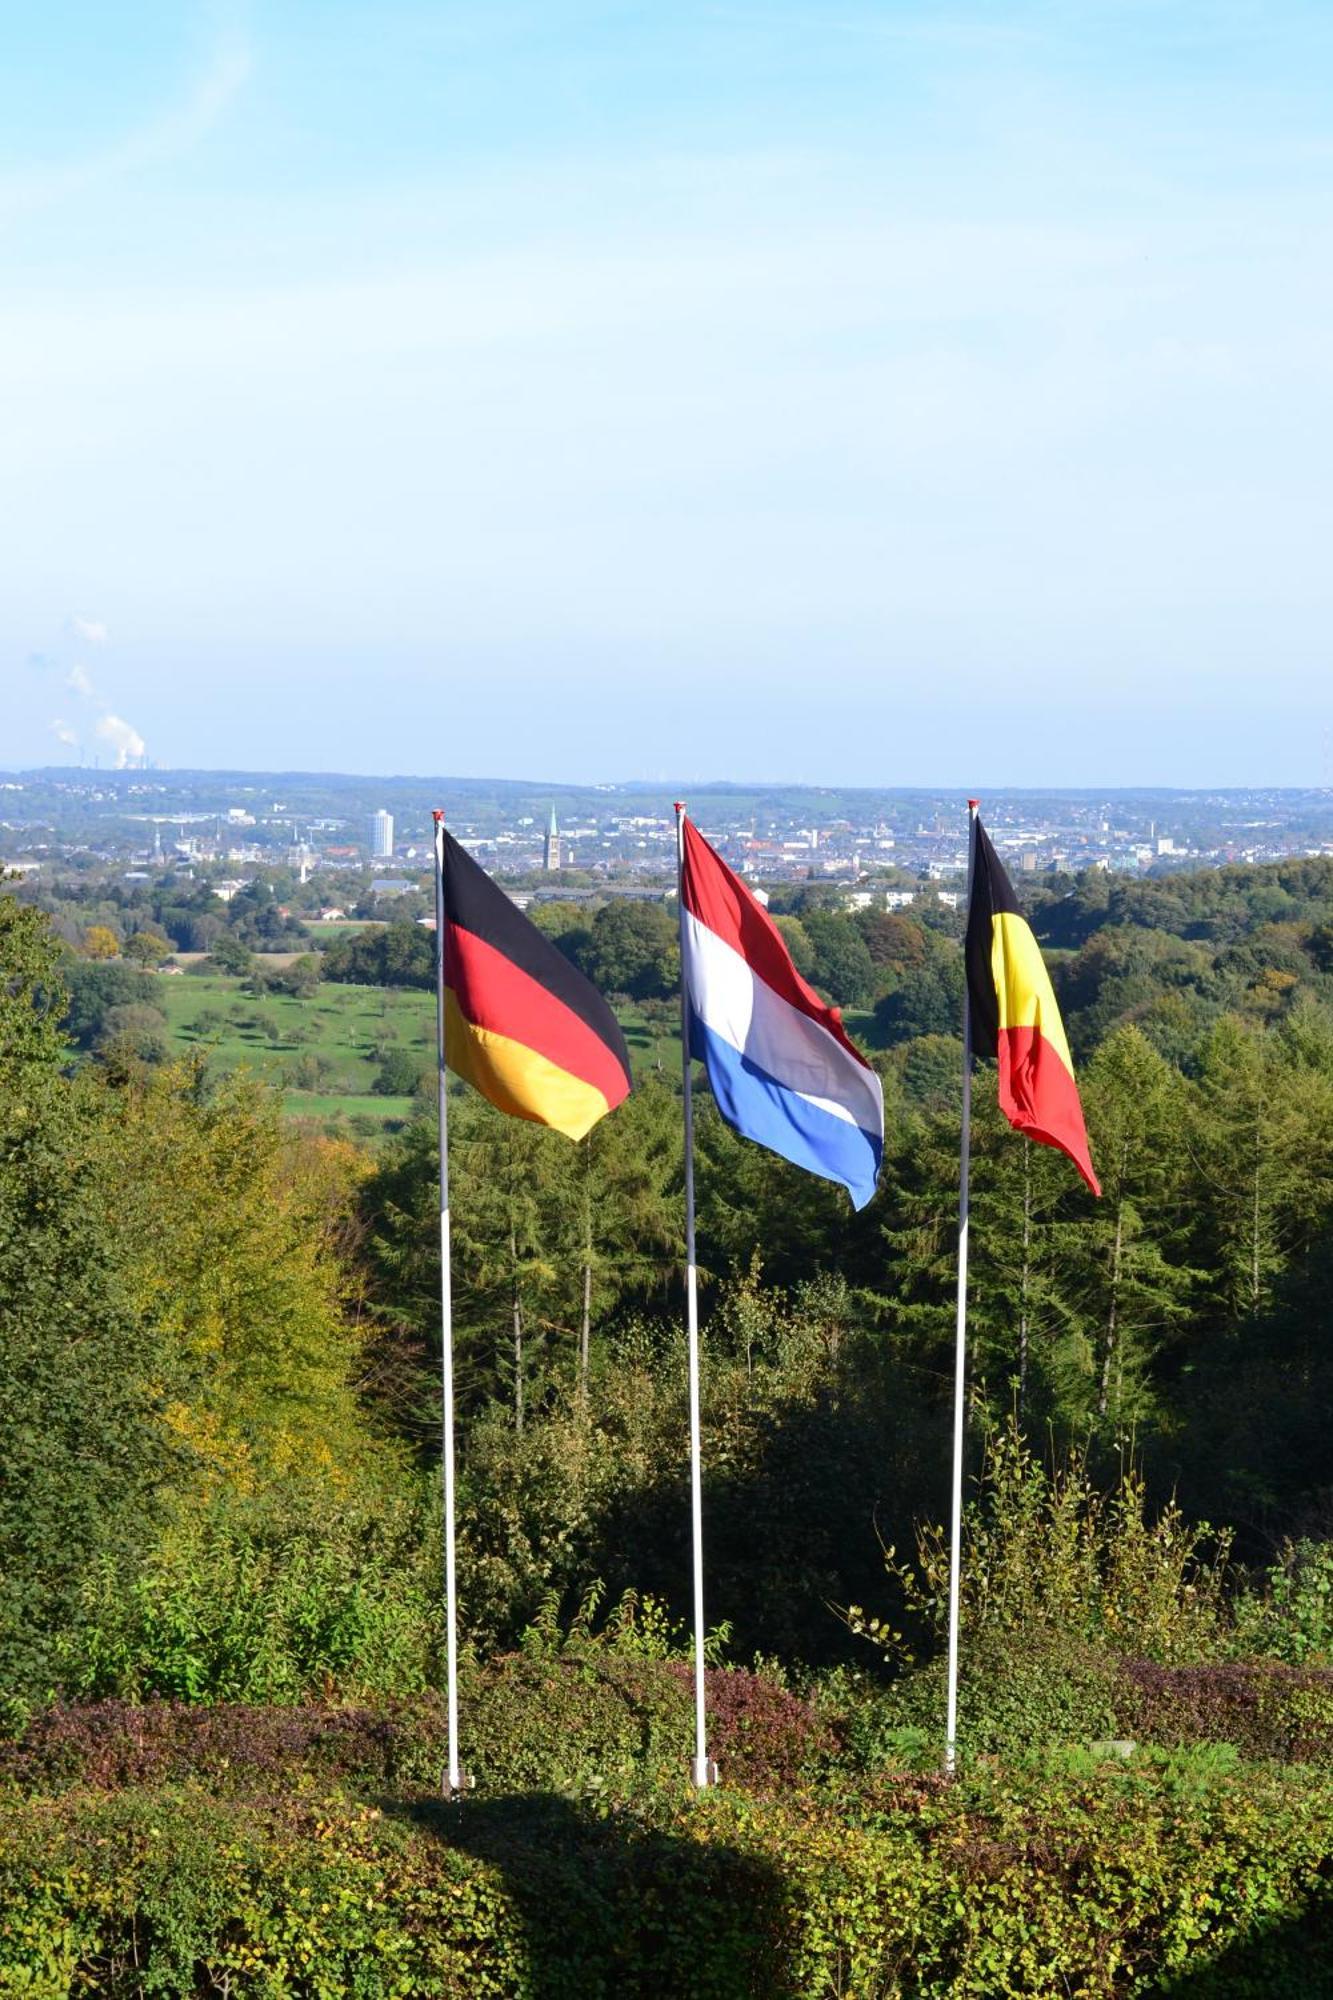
<point x="780" y="1064"/>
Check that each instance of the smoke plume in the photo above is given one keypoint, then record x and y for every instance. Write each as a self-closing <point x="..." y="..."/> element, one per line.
<point x="125" y="740"/>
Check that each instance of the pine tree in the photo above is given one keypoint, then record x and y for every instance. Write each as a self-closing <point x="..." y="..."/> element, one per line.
<point x="1137" y="1285"/>
<point x="631" y="1221"/>
<point x="1262" y="1147"/>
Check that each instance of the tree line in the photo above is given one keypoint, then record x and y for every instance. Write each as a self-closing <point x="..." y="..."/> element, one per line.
<point x="219" y="1332"/>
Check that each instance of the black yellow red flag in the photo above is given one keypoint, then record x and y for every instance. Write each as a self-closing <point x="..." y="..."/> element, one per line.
<point x="520" y="1022"/>
<point x="1014" y="1015"/>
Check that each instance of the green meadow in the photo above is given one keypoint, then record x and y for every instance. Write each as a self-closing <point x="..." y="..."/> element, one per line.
<point x="322" y="1051"/>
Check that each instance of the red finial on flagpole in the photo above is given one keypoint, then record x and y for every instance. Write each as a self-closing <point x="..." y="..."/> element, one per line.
<point x="678" y="805"/>
<point x="437" y="815"/>
<point x="972" y="804"/>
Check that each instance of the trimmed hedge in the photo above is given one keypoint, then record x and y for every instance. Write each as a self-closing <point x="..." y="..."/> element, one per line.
<point x="1118" y="1881"/>
<point x="761" y="1735"/>
<point x="1016" y="1692"/>
<point x="1020" y="1694"/>
<point x="114" y="1745"/>
<point x="1265" y="1710"/>
<point x="574" y="1722"/>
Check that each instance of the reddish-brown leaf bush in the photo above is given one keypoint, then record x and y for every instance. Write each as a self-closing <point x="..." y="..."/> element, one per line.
<point x="1264" y="1710"/>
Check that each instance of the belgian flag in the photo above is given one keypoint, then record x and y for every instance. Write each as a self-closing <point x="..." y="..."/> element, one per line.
<point x="520" y="1023"/>
<point x="1014" y="1015"/>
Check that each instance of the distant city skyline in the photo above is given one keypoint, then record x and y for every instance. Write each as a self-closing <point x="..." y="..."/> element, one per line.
<point x="874" y="846"/>
<point x="891" y="394"/>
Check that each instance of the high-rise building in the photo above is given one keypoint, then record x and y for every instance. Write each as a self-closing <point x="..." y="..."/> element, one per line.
<point x="551" y="845"/>
<point x="380" y="836"/>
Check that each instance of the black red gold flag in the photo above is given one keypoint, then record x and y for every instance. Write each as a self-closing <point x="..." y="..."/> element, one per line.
<point x="521" y="1023"/>
<point x="1014" y="1015"/>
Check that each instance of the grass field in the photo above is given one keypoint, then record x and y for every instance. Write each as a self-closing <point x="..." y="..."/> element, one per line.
<point x="653" y="1045"/>
<point x="321" y="1051"/>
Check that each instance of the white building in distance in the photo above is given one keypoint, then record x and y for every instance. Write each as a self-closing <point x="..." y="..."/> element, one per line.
<point x="379" y="836"/>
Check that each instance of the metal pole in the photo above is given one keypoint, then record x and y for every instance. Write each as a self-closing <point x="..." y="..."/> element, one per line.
<point x="960" y="1342"/>
<point x="701" y="1769"/>
<point x="455" y="1776"/>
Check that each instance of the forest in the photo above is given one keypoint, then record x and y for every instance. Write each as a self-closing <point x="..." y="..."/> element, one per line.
<point x="220" y="1570"/>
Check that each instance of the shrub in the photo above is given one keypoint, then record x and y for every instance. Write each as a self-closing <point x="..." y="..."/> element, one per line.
<point x="110" y="1745"/>
<point x="1291" y="1617"/>
<point x="1015" y="1690"/>
<point x="1103" y="1883"/>
<point x="95" y="988"/>
<point x="761" y="1735"/>
<point x="1048" y="1552"/>
<point x="268" y="1609"/>
<point x="573" y="1722"/>
<point x="1266" y="1711"/>
<point x="398" y="1073"/>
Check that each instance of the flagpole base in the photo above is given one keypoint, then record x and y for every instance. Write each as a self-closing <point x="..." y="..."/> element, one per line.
<point x="459" y="1788"/>
<point x="703" y="1771"/>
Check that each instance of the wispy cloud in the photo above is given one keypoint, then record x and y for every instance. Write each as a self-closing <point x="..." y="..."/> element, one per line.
<point x="64" y="734"/>
<point x="168" y="135"/>
<point x="78" y="682"/>
<point x="90" y="629"/>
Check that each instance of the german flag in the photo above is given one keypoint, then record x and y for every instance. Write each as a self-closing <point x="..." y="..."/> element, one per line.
<point x="1014" y="1015"/>
<point x="520" y="1023"/>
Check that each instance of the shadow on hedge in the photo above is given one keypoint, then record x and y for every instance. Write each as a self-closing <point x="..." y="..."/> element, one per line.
<point x="612" y="1910"/>
<point x="1284" y="1961"/>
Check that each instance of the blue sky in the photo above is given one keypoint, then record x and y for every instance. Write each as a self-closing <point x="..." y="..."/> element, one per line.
<point x="867" y="393"/>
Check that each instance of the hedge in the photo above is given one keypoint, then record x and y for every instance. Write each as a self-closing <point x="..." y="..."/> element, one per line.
<point x="1116" y="1880"/>
<point x="577" y="1721"/>
<point x="1264" y="1710"/>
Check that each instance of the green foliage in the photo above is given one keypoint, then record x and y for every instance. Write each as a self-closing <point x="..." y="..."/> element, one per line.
<point x="581" y="1720"/>
<point x="147" y="947"/>
<point x="1049" y="1553"/>
<point x="132" y="1035"/>
<point x="927" y="999"/>
<point x="399" y="1073"/>
<point x="631" y="947"/>
<point x="81" y="1446"/>
<point x="1103" y="1881"/>
<point x="96" y="989"/>
<point x="1263" y="1142"/>
<point x="799" y="943"/>
<point x="1017" y="1690"/>
<point x="246" y="1602"/>
<point x="843" y="966"/>
<point x="548" y="1239"/>
<point x="214" y="1331"/>
<point x="398" y="954"/>
<point x="230" y="1241"/>
<point x="33" y="993"/>
<point x="230" y="954"/>
<point x="1290" y="1617"/>
<point x="80" y="1437"/>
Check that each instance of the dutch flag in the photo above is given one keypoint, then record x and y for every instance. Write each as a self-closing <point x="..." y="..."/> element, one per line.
<point x="781" y="1067"/>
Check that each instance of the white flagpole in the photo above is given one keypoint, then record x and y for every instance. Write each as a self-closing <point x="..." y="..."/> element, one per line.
<point x="454" y="1783"/>
<point x="702" y="1770"/>
<point x="960" y="1339"/>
